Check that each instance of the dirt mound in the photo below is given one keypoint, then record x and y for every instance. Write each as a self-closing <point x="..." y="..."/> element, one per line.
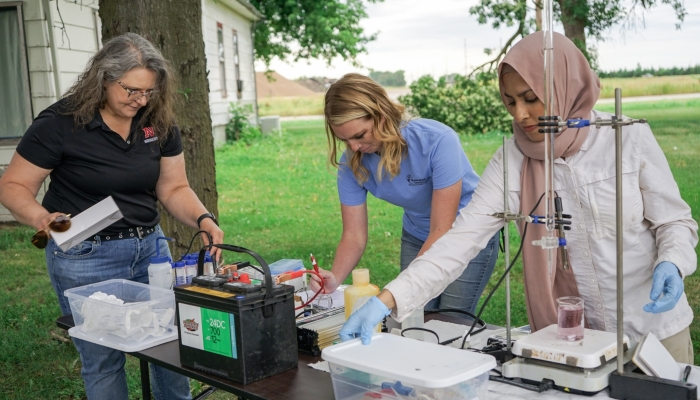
<point x="279" y="86"/>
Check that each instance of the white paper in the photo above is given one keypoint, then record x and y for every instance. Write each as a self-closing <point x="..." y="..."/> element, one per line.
<point x="88" y="223"/>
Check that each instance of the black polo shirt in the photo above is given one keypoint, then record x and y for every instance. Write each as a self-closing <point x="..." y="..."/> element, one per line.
<point x="93" y="162"/>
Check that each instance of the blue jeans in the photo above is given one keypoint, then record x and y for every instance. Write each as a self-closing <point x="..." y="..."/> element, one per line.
<point x="95" y="261"/>
<point x="462" y="294"/>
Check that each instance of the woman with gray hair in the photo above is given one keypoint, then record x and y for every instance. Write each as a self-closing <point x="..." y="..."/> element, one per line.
<point x="112" y="134"/>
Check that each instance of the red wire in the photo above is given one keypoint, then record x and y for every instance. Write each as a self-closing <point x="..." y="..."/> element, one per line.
<point x="308" y="271"/>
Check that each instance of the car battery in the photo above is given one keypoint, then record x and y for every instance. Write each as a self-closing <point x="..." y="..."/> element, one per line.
<point x="242" y="332"/>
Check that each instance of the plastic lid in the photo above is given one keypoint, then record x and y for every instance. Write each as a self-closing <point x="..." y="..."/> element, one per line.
<point x="178" y="264"/>
<point x="190" y="261"/>
<point x="410" y="361"/>
<point x="360" y="276"/>
<point x="207" y="258"/>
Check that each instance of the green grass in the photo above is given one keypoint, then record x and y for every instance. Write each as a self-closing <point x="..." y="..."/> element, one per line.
<point x="278" y="198"/>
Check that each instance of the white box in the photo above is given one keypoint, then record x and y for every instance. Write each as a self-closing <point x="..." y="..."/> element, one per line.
<point x="398" y="367"/>
<point x="88" y="223"/>
<point x="144" y="320"/>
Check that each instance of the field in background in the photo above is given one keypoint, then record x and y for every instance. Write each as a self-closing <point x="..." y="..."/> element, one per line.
<point x="291" y="106"/>
<point x="631" y="87"/>
<point x="653" y="86"/>
<point x="278" y="198"/>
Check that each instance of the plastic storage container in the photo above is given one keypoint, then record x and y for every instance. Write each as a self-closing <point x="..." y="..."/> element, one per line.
<point x="394" y="367"/>
<point x="144" y="320"/>
<point x="285" y="265"/>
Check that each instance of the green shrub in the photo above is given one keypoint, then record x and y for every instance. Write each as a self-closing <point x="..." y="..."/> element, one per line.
<point x="238" y="128"/>
<point x="467" y="105"/>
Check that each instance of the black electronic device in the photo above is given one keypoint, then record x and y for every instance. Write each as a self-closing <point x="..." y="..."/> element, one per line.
<point x="242" y="332"/>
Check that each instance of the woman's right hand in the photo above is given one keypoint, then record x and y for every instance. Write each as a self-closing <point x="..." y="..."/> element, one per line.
<point x="330" y="283"/>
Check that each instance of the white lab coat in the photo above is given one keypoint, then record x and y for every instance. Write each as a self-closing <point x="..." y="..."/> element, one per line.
<point x="658" y="227"/>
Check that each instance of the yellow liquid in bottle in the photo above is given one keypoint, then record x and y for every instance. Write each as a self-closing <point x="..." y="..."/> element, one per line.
<point x="359" y="292"/>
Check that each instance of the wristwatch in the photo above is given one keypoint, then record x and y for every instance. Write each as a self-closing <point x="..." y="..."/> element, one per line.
<point x="204" y="216"/>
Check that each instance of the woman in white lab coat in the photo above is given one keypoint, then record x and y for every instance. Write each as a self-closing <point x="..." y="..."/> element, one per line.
<point x="659" y="232"/>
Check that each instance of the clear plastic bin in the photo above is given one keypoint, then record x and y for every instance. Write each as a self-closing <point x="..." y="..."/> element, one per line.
<point x="285" y="265"/>
<point x="144" y="320"/>
<point x="394" y="367"/>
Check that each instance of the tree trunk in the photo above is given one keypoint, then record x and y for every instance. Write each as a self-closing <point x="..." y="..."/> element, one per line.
<point x="574" y="22"/>
<point x="175" y="28"/>
<point x="538" y="14"/>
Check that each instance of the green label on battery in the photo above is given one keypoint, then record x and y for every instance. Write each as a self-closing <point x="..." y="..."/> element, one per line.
<point x="217" y="334"/>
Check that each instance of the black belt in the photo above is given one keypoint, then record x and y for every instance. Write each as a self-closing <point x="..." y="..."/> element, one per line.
<point x="129" y="233"/>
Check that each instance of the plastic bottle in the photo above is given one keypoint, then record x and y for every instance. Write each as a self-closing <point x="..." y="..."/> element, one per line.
<point x="160" y="273"/>
<point x="180" y="276"/>
<point x="208" y="265"/>
<point x="190" y="269"/>
<point x="359" y="292"/>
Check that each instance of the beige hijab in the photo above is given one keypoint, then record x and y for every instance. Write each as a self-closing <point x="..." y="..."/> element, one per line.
<point x="576" y="90"/>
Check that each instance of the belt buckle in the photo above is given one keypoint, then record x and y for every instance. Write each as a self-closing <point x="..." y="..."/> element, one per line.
<point x="139" y="232"/>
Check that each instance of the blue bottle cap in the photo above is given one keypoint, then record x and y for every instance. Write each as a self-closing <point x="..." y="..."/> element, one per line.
<point x="190" y="262"/>
<point x="178" y="264"/>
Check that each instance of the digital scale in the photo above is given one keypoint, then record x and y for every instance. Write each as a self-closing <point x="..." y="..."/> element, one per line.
<point x="580" y="367"/>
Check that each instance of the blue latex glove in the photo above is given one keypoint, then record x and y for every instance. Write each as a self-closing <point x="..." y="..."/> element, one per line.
<point x="363" y="321"/>
<point x="666" y="280"/>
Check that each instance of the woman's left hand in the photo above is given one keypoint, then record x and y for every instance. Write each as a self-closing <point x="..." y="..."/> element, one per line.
<point x="217" y="236"/>
<point x="667" y="280"/>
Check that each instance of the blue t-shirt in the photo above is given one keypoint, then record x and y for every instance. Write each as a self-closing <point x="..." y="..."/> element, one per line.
<point x="435" y="160"/>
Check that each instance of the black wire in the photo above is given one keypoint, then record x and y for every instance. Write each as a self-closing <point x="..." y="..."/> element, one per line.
<point x="467" y="313"/>
<point x="539" y="388"/>
<point x="300" y="314"/>
<point x="422" y="329"/>
<point x="195" y="237"/>
<point x="488" y="298"/>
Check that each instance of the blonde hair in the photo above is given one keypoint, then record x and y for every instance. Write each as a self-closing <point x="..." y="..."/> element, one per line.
<point x="357" y="96"/>
<point x="118" y="56"/>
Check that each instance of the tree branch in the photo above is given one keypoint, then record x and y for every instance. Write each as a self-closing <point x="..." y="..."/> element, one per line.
<point x="502" y="53"/>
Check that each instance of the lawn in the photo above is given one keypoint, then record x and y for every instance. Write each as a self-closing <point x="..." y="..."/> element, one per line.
<point x="278" y="198"/>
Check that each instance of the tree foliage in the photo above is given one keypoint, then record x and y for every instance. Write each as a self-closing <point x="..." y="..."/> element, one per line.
<point x="388" y="78"/>
<point x="639" y="71"/>
<point x="467" y="105"/>
<point x="305" y="29"/>
<point x="582" y="19"/>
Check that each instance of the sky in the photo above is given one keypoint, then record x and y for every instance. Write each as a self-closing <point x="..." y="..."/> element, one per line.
<point x="440" y="36"/>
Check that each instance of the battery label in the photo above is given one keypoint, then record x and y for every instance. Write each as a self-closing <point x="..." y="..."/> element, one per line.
<point x="209" y="330"/>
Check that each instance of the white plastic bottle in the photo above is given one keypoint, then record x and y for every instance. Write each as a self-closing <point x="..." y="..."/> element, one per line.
<point x="208" y="265"/>
<point x="190" y="269"/>
<point x="180" y="276"/>
<point x="160" y="272"/>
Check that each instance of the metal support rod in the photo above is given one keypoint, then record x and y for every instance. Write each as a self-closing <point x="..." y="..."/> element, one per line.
<point x="506" y="238"/>
<point x="618" y="232"/>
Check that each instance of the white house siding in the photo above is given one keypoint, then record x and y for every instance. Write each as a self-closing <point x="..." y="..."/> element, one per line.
<point x="232" y="16"/>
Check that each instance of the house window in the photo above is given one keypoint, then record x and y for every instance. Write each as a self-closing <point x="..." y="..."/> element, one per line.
<point x="222" y="64"/>
<point x="15" y="96"/>
<point x="237" y="65"/>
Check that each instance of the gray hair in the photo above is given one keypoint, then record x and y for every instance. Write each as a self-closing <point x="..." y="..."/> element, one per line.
<point x="118" y="56"/>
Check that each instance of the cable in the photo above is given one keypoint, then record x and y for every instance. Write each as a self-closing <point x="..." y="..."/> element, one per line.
<point x="539" y="388"/>
<point x="488" y="298"/>
<point x="467" y="313"/>
<point x="195" y="237"/>
<point x="312" y="272"/>
<point x="421" y="329"/>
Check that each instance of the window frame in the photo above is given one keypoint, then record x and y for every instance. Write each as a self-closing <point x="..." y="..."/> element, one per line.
<point x="221" y="56"/>
<point x="24" y="67"/>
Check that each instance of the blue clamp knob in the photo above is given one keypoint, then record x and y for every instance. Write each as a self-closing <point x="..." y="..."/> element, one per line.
<point x="402" y="390"/>
<point x="562" y="242"/>
<point x="577" y="123"/>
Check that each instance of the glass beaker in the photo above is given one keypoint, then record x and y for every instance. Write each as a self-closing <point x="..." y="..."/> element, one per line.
<point x="570" y="318"/>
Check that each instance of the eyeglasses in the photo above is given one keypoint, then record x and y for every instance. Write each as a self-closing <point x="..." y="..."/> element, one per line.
<point x="59" y="224"/>
<point x="132" y="94"/>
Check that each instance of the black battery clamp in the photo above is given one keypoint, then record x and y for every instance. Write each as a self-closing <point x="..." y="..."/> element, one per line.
<point x="269" y="302"/>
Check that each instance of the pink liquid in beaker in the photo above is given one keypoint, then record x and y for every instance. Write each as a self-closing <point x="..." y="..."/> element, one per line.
<point x="570" y="324"/>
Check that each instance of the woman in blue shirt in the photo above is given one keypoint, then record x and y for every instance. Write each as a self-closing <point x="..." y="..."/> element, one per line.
<point x="417" y="164"/>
